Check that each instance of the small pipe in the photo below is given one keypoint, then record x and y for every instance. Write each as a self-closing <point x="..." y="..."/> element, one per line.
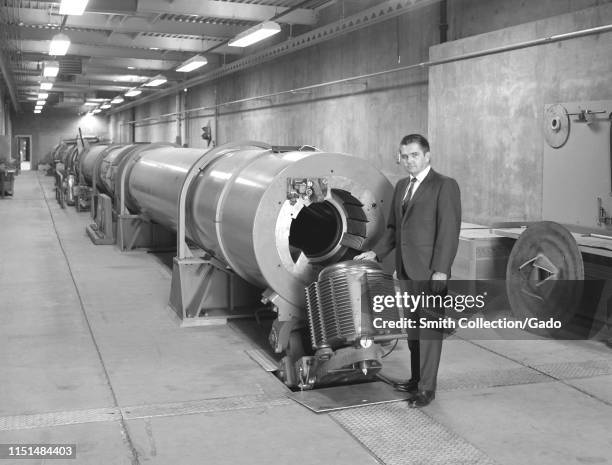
<point x="422" y="65"/>
<point x="599" y="236"/>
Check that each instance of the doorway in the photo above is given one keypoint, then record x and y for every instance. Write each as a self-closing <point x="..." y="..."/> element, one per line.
<point x="24" y="151"/>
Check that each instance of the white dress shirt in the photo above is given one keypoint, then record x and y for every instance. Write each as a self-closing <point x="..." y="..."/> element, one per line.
<point x="419" y="179"/>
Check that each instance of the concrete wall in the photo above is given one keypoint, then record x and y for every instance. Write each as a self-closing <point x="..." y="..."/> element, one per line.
<point x="200" y="97"/>
<point x="119" y="128"/>
<point x="52" y="125"/>
<point x="486" y="114"/>
<point x="470" y="17"/>
<point x="157" y="130"/>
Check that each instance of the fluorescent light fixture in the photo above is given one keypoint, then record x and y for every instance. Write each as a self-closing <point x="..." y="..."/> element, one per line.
<point x="194" y="62"/>
<point x="91" y="104"/>
<point x="38" y="108"/>
<point x="32" y="98"/>
<point x="73" y="7"/>
<point x="40" y="103"/>
<point x="133" y="93"/>
<point x="43" y="96"/>
<point x="255" y="34"/>
<point x="96" y="111"/>
<point x="117" y="100"/>
<point x="37" y="111"/>
<point x="156" y="81"/>
<point x="105" y="106"/>
<point x="50" y="68"/>
<point x="46" y="85"/>
<point x="59" y="44"/>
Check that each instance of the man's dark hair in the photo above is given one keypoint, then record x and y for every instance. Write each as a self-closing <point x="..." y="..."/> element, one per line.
<point x="419" y="139"/>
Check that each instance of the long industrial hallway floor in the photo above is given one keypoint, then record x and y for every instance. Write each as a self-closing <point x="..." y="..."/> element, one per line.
<point x="90" y="355"/>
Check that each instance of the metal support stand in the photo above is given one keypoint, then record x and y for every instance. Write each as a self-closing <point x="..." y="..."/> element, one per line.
<point x="82" y="196"/>
<point x="205" y="293"/>
<point x="102" y="231"/>
<point x="133" y="232"/>
<point x="198" y="284"/>
<point x="59" y="189"/>
<point x="7" y="179"/>
<point x="94" y="193"/>
<point x="70" y="190"/>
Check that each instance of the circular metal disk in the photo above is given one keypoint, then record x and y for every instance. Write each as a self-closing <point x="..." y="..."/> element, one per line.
<point x="556" y="125"/>
<point x="545" y="275"/>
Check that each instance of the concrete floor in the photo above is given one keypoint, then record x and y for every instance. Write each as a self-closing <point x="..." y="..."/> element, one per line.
<point x="90" y="355"/>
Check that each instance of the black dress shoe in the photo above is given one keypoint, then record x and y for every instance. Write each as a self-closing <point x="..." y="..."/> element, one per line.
<point x="408" y="386"/>
<point x="422" y="399"/>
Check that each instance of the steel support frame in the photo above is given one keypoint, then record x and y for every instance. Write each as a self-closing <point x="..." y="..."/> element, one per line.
<point x="192" y="275"/>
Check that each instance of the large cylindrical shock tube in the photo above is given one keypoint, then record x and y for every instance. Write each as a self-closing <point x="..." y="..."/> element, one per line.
<point x="274" y="218"/>
<point x="88" y="160"/>
<point x="112" y="158"/>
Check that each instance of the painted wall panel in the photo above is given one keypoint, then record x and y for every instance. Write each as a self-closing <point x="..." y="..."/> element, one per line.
<point x="485" y="114"/>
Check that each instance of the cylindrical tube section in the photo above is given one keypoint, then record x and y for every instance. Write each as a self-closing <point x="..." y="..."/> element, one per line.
<point x="88" y="160"/>
<point x="240" y="208"/>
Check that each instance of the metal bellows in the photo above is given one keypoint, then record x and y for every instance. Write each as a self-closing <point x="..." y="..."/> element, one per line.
<point x="339" y="302"/>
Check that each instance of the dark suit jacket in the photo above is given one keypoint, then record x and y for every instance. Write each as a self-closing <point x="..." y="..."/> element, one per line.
<point x="426" y="236"/>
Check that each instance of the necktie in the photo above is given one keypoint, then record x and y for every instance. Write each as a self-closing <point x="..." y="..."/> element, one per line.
<point x="408" y="194"/>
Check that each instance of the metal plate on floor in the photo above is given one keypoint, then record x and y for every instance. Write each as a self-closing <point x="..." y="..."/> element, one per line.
<point x="399" y="435"/>
<point x="343" y="397"/>
<point x="571" y="370"/>
<point x="263" y="359"/>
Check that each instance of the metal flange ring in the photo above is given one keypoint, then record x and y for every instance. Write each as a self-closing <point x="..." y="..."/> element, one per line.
<point x="556" y="125"/>
<point x="545" y="275"/>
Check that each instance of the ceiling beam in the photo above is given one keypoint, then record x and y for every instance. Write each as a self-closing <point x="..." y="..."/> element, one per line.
<point x="138" y="65"/>
<point x="77" y="80"/>
<point x="104" y="37"/>
<point x="105" y="51"/>
<point x="119" y="74"/>
<point x="205" y="8"/>
<point x="128" y="24"/>
<point x="91" y="86"/>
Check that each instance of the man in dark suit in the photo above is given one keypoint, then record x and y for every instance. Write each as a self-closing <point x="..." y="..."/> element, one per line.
<point x="423" y="228"/>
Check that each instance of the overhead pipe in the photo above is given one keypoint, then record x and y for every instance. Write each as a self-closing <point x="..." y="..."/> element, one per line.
<point x="422" y="65"/>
